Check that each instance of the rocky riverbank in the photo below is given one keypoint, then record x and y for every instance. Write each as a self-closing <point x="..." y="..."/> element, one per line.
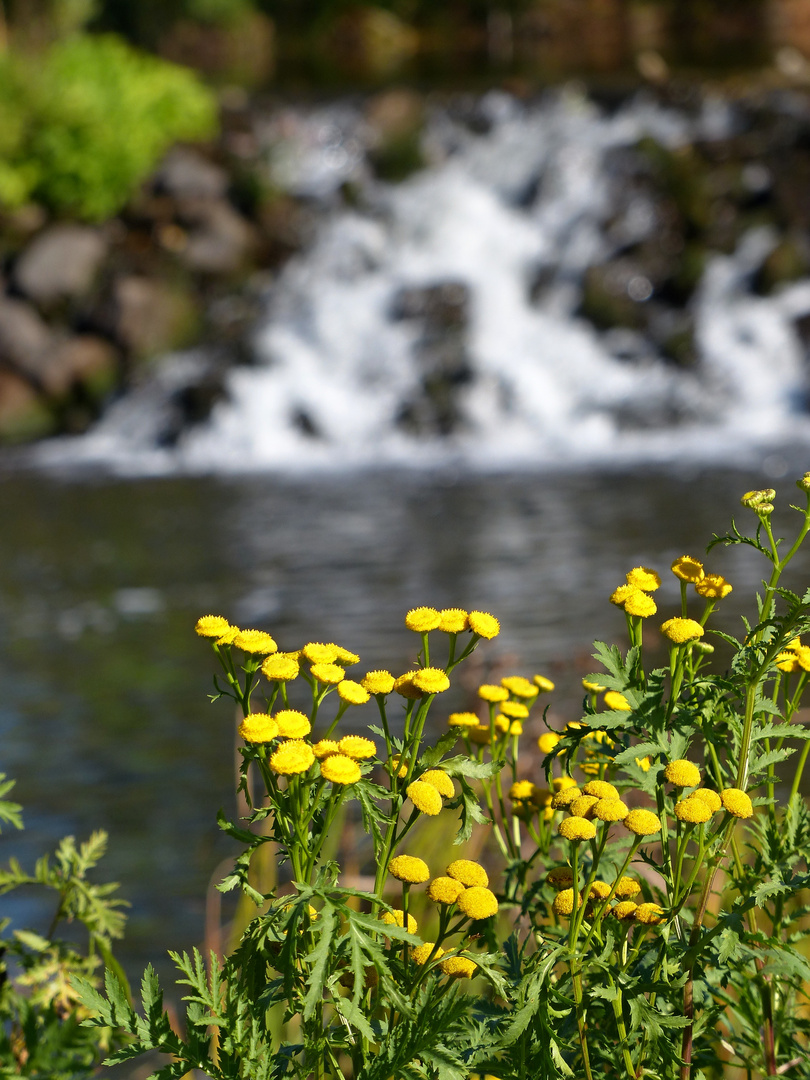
<point x="86" y="311"/>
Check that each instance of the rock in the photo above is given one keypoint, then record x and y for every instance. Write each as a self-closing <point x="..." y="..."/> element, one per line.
<point x="85" y="360"/>
<point x="222" y="242"/>
<point x="186" y="174"/>
<point x="25" y="338"/>
<point x="60" y="263"/>
<point x="23" y="414"/>
<point x="151" y="317"/>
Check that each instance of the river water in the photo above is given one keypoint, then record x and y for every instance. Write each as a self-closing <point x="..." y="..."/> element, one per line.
<point x="104" y="715"/>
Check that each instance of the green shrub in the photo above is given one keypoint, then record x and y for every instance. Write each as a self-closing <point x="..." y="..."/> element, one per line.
<point x="81" y="130"/>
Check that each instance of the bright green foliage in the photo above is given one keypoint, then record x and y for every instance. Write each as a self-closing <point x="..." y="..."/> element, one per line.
<point x="81" y="128"/>
<point x="41" y="1020"/>
<point x="703" y="970"/>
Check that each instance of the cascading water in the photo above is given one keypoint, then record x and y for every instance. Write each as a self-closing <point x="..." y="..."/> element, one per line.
<point x="439" y="320"/>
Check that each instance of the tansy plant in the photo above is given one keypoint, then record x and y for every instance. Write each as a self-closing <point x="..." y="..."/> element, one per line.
<point x="639" y="910"/>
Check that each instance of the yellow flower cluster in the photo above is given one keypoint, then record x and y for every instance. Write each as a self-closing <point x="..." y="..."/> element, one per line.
<point x="258" y="728"/>
<point x="682" y="773"/>
<point x="396" y="917"/>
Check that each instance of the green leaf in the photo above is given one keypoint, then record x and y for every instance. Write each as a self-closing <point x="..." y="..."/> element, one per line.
<point x="318" y="958"/>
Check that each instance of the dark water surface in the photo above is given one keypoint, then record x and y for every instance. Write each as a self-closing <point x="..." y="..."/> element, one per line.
<point x="104" y="716"/>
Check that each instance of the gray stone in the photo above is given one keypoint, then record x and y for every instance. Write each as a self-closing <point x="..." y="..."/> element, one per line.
<point x="85" y="359"/>
<point x="25" y="338"/>
<point x="151" y="317"/>
<point x="23" y="414"/>
<point x="186" y="174"/>
<point x="60" y="263"/>
<point x="221" y="243"/>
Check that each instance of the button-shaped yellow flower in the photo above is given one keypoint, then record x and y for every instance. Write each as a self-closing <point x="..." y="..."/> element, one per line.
<point x="520" y="687"/>
<point x="624" y="910"/>
<point x="483" y="624"/>
<point x="425" y="798"/>
<point x="255" y="641"/>
<point x="649" y="914"/>
<point x="642" y="577"/>
<point x="422" y="619"/>
<point x="211" y="626"/>
<point x="478" y="902"/>
<point x="601" y="789"/>
<point x="352" y="692"/>
<point x="687" y="569"/>
<point x="563" y="903"/>
<point x="469" y="873"/>
<point x="346" y="657"/>
<point x="405" y="688"/>
<point x="430" y="680"/>
<point x="444" y="890"/>
<point x="711" y="798"/>
<point x="378" y="682"/>
<point x="258" y="728"/>
<point x="493" y="693"/>
<point x="441" y="781"/>
<point x="737" y="803"/>
<point x="681" y="630"/>
<point x="692" y="811"/>
<point x="626" y="887"/>
<point x="357" y="746"/>
<point x="547" y="741"/>
<point x="396" y="917"/>
<point x="521" y="789"/>
<point x="462" y="720"/>
<point x="577" y="829"/>
<point x="408" y="868"/>
<point x="713" y="587"/>
<point x="641" y="605"/>
<point x="610" y="810"/>
<point x="340" y="769"/>
<point x="560" y="877"/>
<point x="583" y="806"/>
<point x="515" y="710"/>
<point x="600" y="890"/>
<point x="452" y="620"/>
<point x="616" y="701"/>
<point x="422" y="953"/>
<point x="317" y="652"/>
<point x="642" y="822"/>
<point x="563" y="783"/>
<point x="331" y="674"/>
<point x="564" y="797"/>
<point x="682" y="773"/>
<point x="324" y="747"/>
<point x="293" y="756"/>
<point x="544" y="684"/>
<point x="459" y="967"/>
<point x="280" y="668"/>
<point x="292" y="724"/>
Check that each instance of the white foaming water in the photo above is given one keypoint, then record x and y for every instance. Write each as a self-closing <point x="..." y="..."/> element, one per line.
<point x="542" y="387"/>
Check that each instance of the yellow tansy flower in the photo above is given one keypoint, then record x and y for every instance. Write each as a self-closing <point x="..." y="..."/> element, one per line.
<point x="405" y="688"/>
<point x="592" y="687"/>
<point x="547" y="741"/>
<point x="352" y="692"/>
<point x="787" y="662"/>
<point x="642" y="822"/>
<point x="401" y="770"/>
<point x="493" y="693"/>
<point x="625" y="909"/>
<point x="258" y="728"/>
<point x="396" y="917"/>
<point x="583" y="806"/>
<point x="693" y="811"/>
<point x="409" y="868"/>
<point x="564" y="797"/>
<point x="478" y="902"/>
<point x="737" y="803"/>
<point x="543" y="683"/>
<point x="643" y="578"/>
<point x="564" y="902"/>
<point x="213" y="626"/>
<point x="620" y="595"/>
<point x="577" y="829"/>
<point x="319" y="653"/>
<point x="324" y="748"/>
<point x="424" y="797"/>
<point x="803" y="656"/>
<point x="627" y="887"/>
<point x="641" y="605"/>
<point x="255" y="641"/>
<point x="340" y="769"/>
<point x="682" y="773"/>
<point x="483" y="624"/>
<point x="441" y="781"/>
<point x="520" y="687"/>
<point x="452" y="620"/>
<point x="711" y="798"/>
<point x="280" y="667"/>
<point x="643" y="763"/>
<point x="469" y="873"/>
<point x="345" y="657"/>
<point x="462" y="719"/>
<point x="331" y="674"/>
<point x="610" y="810"/>
<point x="712" y="587"/>
<point x="422" y="953"/>
<point x="616" y="701"/>
<point x="357" y="746"/>
<point x="687" y="569"/>
<point x="430" y="680"/>
<point x="522" y="789"/>
<point x="563" y="783"/>
<point x="422" y="619"/>
<point x="293" y="756"/>
<point x="378" y="682"/>
<point x="444" y="890"/>
<point x="682" y="630"/>
<point x="601" y="789"/>
<point x="649" y="914"/>
<point x="515" y="710"/>
<point x="561" y="877"/>
<point x="600" y="890"/>
<point x="292" y="724"/>
<point x="459" y="967"/>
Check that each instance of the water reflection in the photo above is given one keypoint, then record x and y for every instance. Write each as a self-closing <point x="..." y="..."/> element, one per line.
<point x="104" y="717"/>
